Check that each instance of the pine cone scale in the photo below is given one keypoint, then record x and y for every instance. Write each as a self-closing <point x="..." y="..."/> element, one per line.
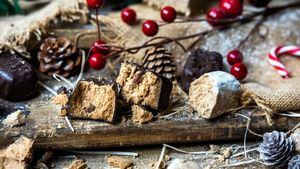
<point x="294" y="162"/>
<point x="58" y="56"/>
<point x="276" y="149"/>
<point x="160" y="61"/>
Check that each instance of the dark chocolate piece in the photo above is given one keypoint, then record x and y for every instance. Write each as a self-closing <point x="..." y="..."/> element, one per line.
<point x="143" y="87"/>
<point x="198" y="63"/>
<point x="18" y="79"/>
<point x="94" y="99"/>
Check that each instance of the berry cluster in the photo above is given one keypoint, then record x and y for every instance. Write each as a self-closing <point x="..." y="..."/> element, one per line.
<point x="238" y="69"/>
<point x="98" y="50"/>
<point x="228" y="9"/>
<point x="149" y="27"/>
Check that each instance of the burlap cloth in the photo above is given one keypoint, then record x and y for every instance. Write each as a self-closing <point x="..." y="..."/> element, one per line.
<point x="277" y="96"/>
<point x="22" y="32"/>
<point x="182" y="6"/>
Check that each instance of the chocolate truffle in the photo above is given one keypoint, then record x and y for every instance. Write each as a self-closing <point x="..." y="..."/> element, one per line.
<point x="214" y="94"/>
<point x="94" y="99"/>
<point x="143" y="87"/>
<point x="198" y="63"/>
<point x="18" y="79"/>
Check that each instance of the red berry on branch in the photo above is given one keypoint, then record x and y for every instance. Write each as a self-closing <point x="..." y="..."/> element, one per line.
<point x="97" y="61"/>
<point x="98" y="47"/>
<point x="234" y="57"/>
<point x="215" y="15"/>
<point x="232" y="7"/>
<point x="259" y="3"/>
<point x="168" y="14"/>
<point x="150" y="28"/>
<point x="129" y="16"/>
<point x="95" y="4"/>
<point x="239" y="71"/>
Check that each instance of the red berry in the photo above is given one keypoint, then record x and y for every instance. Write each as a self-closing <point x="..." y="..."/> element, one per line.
<point x="232" y="7"/>
<point x="97" y="61"/>
<point x="94" y="4"/>
<point x="259" y="3"/>
<point x="150" y="28"/>
<point x="234" y="57"/>
<point x="129" y="16"/>
<point x="239" y="71"/>
<point x="99" y="48"/>
<point x="215" y="15"/>
<point x="168" y="14"/>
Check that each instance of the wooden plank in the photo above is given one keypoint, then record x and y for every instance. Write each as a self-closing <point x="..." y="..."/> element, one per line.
<point x="200" y="131"/>
<point x="51" y="132"/>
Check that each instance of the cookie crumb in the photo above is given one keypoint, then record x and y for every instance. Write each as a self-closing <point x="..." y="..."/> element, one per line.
<point x="14" y="119"/>
<point x="140" y="115"/>
<point x="61" y="99"/>
<point x="18" y="154"/>
<point x="119" y="162"/>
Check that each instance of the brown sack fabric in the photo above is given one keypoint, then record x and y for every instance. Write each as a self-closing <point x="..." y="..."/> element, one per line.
<point x="22" y="32"/>
<point x="276" y="97"/>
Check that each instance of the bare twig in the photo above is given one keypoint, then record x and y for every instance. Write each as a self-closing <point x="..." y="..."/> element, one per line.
<point x="107" y="153"/>
<point x="187" y="152"/>
<point x="69" y="123"/>
<point x="162" y="154"/>
<point x="226" y="23"/>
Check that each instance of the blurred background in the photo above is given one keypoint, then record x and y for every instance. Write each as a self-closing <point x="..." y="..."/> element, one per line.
<point x="12" y="7"/>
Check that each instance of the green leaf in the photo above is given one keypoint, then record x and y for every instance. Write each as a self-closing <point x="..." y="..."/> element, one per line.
<point x="17" y="7"/>
<point x="6" y="8"/>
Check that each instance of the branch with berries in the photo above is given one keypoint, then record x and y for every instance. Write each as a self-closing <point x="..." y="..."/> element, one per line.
<point x="227" y="14"/>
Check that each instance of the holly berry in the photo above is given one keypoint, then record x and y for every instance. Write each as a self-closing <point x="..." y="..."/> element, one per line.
<point x="150" y="28"/>
<point x="234" y="57"/>
<point x="95" y="4"/>
<point x="259" y="3"/>
<point x="239" y="71"/>
<point x="129" y="16"/>
<point x="168" y="14"/>
<point x="232" y="7"/>
<point x="99" y="48"/>
<point x="97" y="61"/>
<point x="215" y="15"/>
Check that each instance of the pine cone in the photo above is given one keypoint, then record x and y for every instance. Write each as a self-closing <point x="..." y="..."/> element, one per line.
<point x="58" y="56"/>
<point x="294" y="162"/>
<point x="276" y="149"/>
<point x="160" y="61"/>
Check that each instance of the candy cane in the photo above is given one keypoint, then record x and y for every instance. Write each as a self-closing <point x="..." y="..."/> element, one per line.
<point x="276" y="63"/>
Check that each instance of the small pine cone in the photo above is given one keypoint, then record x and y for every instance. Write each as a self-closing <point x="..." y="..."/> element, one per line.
<point x="276" y="149"/>
<point x="160" y="61"/>
<point x="58" y="56"/>
<point x="294" y="162"/>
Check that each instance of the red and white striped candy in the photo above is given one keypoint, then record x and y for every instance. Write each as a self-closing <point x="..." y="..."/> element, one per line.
<point x="276" y="63"/>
